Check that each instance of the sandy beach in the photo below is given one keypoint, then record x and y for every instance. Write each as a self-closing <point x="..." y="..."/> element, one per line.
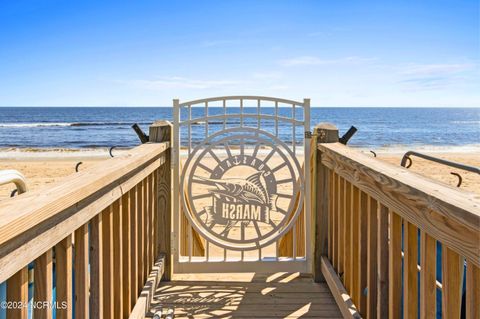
<point x="41" y="169"/>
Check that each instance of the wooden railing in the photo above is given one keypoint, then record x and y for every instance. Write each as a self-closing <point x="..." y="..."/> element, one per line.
<point x="102" y="234"/>
<point x="380" y="231"/>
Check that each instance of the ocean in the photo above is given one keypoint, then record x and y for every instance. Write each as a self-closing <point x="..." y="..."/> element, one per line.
<point x="93" y="127"/>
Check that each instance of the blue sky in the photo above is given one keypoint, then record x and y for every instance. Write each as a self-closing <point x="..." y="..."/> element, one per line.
<point x="338" y="53"/>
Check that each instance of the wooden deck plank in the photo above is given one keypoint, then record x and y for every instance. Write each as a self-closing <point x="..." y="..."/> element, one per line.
<point x="281" y="295"/>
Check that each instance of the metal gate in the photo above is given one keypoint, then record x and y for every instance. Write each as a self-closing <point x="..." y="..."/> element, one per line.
<point x="241" y="199"/>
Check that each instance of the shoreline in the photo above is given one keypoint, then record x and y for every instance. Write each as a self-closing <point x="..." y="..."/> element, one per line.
<point x="33" y="153"/>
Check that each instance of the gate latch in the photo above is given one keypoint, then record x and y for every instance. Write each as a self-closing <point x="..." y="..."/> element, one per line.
<point x="308" y="134"/>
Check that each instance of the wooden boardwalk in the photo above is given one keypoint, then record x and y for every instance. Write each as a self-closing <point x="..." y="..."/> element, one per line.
<point x="279" y="295"/>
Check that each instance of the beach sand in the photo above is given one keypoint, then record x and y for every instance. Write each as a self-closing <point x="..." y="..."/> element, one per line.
<point x="42" y="171"/>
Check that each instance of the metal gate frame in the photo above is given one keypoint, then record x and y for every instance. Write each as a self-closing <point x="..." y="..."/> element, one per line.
<point x="266" y="265"/>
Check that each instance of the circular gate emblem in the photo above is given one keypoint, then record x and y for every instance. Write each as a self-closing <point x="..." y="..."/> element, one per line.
<point x="242" y="188"/>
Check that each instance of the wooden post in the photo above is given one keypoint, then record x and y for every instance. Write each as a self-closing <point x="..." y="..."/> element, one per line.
<point x="161" y="131"/>
<point x="323" y="133"/>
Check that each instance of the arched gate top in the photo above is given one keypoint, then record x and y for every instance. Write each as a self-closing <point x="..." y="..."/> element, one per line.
<point x="243" y="97"/>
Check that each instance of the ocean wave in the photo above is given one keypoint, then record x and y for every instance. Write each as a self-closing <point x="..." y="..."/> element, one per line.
<point x="465" y="122"/>
<point x="60" y="124"/>
<point x="33" y="124"/>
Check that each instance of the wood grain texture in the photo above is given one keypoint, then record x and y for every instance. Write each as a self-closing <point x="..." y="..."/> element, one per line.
<point x="155" y="215"/>
<point x="410" y="272"/>
<point x="395" y="267"/>
<point x="355" y="244"/>
<point x="132" y="221"/>
<point x="126" y="255"/>
<point x="140" y="238"/>
<point x="331" y="208"/>
<point x="160" y="131"/>
<point x="234" y="295"/>
<point x="372" y="260"/>
<point x="321" y="217"/>
<point x="286" y="242"/>
<point x="450" y="215"/>
<point x="146" y="222"/>
<point x="341" y="227"/>
<point x="347" y="232"/>
<point x="26" y="247"/>
<point x="164" y="198"/>
<point x="63" y="195"/>
<point x="96" y="267"/>
<point x="17" y="291"/>
<point x="473" y="292"/>
<point x="142" y="305"/>
<point x="382" y="260"/>
<point x="363" y="253"/>
<point x="344" y="302"/>
<point x="82" y="281"/>
<point x="152" y="214"/>
<point x="428" y="261"/>
<point x="452" y="270"/>
<point x="107" y="251"/>
<point x="63" y="273"/>
<point x="336" y="213"/>
<point x="43" y="284"/>
<point x="117" y="260"/>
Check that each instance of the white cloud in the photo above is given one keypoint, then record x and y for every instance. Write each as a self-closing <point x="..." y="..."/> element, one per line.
<point x="436" y="69"/>
<point x="312" y="60"/>
<point x="182" y="83"/>
<point x="417" y="77"/>
<point x="267" y="75"/>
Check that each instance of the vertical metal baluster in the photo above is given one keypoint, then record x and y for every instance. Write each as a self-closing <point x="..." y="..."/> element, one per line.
<point x="207" y="250"/>
<point x="294" y="129"/>
<point x="241" y="112"/>
<point x="276" y="118"/>
<point x="190" y="243"/>
<point x="225" y="114"/>
<point x="176" y="177"/>
<point x="206" y="119"/>
<point x="294" y="236"/>
<point x="276" y="250"/>
<point x="258" y="115"/>
<point x="189" y="128"/>
<point x="307" y="201"/>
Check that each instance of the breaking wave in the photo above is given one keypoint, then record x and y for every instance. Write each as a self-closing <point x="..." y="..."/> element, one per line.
<point x="49" y="124"/>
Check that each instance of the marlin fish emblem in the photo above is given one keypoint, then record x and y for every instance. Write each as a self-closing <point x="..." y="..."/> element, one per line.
<point x="246" y="190"/>
<point x="249" y="190"/>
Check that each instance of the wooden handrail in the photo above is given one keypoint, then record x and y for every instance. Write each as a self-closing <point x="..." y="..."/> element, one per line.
<point x="450" y="215"/>
<point x="373" y="217"/>
<point x="103" y="228"/>
<point x="21" y="213"/>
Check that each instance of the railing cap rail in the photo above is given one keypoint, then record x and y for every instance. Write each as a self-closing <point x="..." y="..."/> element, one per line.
<point x="446" y="213"/>
<point x="21" y="213"/>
